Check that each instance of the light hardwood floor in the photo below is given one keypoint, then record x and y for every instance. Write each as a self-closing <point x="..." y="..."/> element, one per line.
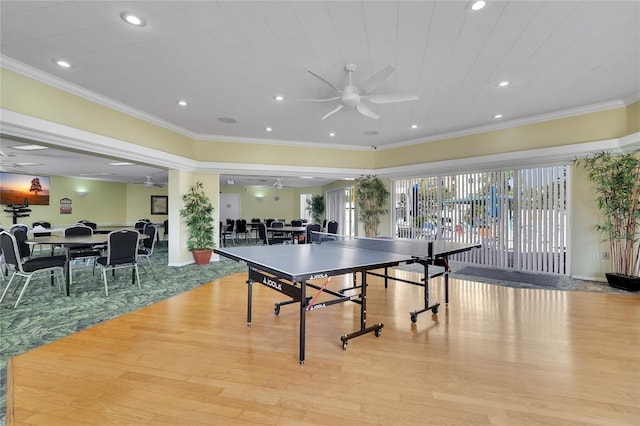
<point x="497" y="356"/>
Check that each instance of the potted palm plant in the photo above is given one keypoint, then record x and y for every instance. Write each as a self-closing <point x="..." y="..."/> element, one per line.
<point x="315" y="206"/>
<point x="371" y="196"/>
<point x="616" y="180"/>
<point x="198" y="212"/>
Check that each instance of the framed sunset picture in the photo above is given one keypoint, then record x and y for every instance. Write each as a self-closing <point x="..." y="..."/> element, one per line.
<point x="16" y="188"/>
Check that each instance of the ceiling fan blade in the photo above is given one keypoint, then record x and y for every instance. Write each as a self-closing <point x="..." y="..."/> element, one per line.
<point x="376" y="79"/>
<point x="389" y="99"/>
<point x="364" y="110"/>
<point x="338" y="108"/>
<point x="325" y="80"/>
<point x="314" y="100"/>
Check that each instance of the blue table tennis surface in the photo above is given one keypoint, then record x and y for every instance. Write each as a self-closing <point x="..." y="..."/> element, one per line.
<point x="302" y="260"/>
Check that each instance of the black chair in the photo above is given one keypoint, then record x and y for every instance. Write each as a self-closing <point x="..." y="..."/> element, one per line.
<point x="269" y="222"/>
<point x="21" y="237"/>
<point x="324" y="225"/>
<point x="90" y="224"/>
<point x="228" y="231"/>
<point x="148" y="244"/>
<point x="53" y="265"/>
<point x="254" y="226"/>
<point x="80" y="251"/>
<point x="241" y="228"/>
<point x="277" y="223"/>
<point x="262" y="233"/>
<point x="139" y="225"/>
<point x="311" y="237"/>
<point x="332" y="227"/>
<point x="298" y="236"/>
<point x="165" y="230"/>
<point x="122" y="252"/>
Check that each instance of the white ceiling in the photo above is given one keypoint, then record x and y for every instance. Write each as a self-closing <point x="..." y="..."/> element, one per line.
<point x="228" y="59"/>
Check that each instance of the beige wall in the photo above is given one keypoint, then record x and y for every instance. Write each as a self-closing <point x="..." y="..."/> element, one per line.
<point x="287" y="206"/>
<point x="585" y="128"/>
<point x="106" y="203"/>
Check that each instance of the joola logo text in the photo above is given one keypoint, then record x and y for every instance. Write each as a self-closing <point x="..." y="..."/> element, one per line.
<point x="316" y="276"/>
<point x="318" y="306"/>
<point x="271" y="283"/>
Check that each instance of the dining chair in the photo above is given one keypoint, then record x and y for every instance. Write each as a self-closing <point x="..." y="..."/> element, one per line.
<point x="312" y="233"/>
<point x="122" y="253"/>
<point x="139" y="225"/>
<point x="332" y="228"/>
<point x="264" y="236"/>
<point x="53" y="265"/>
<point x="88" y="223"/>
<point x="241" y="228"/>
<point x="299" y="237"/>
<point x="165" y="230"/>
<point x="21" y="239"/>
<point x="147" y="245"/>
<point x="277" y="224"/>
<point x="86" y="252"/>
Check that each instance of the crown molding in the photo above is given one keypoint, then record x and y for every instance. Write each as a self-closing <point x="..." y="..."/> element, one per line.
<point x="588" y="109"/>
<point x="22" y="126"/>
<point x="519" y="159"/>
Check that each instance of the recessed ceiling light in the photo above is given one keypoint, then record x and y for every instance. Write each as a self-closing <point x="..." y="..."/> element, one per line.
<point x="414" y="126"/>
<point x="29" y="147"/>
<point x="332" y="134"/>
<point x="370" y="133"/>
<point x="231" y="182"/>
<point x="227" y="120"/>
<point x="497" y="116"/>
<point x="306" y="177"/>
<point x="132" y="19"/>
<point x="503" y="84"/>
<point x="279" y="98"/>
<point x="476" y="5"/>
<point x="268" y="129"/>
<point x="62" y="63"/>
<point x="120" y="163"/>
<point x="183" y="103"/>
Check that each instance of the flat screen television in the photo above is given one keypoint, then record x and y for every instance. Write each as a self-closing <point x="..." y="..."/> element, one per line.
<point x="17" y="188"/>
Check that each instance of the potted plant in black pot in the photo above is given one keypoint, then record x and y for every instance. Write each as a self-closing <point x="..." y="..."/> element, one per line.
<point x="371" y="196"/>
<point x="198" y="212"/>
<point x="616" y="180"/>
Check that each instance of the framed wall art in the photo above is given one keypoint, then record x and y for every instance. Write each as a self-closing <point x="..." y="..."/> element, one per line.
<point x="159" y="204"/>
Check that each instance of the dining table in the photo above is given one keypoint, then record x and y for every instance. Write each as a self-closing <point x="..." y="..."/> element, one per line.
<point x="68" y="242"/>
<point x="289" y="230"/>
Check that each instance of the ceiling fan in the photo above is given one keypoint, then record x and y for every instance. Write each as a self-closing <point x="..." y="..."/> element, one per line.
<point x="278" y="184"/>
<point x="352" y="95"/>
<point x="149" y="183"/>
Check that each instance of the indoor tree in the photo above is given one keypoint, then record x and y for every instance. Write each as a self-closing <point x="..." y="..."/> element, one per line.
<point x="371" y="196"/>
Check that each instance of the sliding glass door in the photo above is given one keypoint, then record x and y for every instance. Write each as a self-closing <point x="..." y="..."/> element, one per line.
<point x="518" y="215"/>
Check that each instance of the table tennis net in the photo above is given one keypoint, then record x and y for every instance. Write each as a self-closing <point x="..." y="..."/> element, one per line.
<point x="411" y="247"/>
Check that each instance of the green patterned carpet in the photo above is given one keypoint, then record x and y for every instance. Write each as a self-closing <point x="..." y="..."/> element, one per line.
<point x="44" y="316"/>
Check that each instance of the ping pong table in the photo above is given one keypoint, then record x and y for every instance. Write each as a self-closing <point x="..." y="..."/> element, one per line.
<point x="289" y="269"/>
